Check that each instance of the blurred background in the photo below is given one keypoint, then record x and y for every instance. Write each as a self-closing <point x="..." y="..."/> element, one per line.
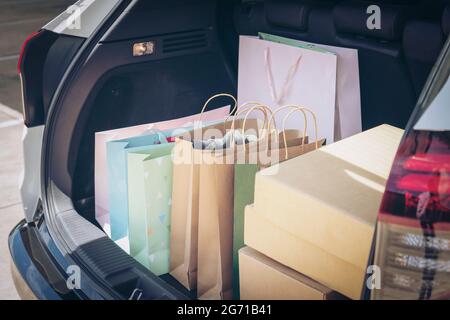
<point x="18" y="19"/>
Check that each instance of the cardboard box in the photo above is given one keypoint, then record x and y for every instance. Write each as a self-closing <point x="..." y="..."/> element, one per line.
<point x="329" y="199"/>
<point x="262" y="278"/>
<point x="297" y="254"/>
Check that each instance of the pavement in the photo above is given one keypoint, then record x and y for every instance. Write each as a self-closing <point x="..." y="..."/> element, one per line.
<point x="18" y="19"/>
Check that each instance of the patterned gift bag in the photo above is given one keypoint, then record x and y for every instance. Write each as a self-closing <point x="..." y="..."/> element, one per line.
<point x="117" y="179"/>
<point x="150" y="201"/>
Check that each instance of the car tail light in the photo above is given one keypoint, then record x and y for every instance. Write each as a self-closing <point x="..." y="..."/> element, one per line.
<point x="30" y="67"/>
<point x="413" y="237"/>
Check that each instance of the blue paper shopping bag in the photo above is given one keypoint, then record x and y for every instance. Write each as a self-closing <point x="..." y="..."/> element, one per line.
<point x="117" y="156"/>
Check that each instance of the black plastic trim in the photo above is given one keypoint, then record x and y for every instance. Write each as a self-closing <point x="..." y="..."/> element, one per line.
<point x="28" y="253"/>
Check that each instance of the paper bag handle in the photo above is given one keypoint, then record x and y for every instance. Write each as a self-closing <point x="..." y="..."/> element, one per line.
<point x="239" y="108"/>
<point x="302" y="109"/>
<point x="266" y="111"/>
<point x="248" y="106"/>
<point x="259" y="107"/>
<point x="215" y="97"/>
<point x="305" y="127"/>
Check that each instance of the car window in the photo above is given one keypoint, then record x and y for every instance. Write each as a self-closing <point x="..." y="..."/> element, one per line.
<point x="434" y="101"/>
<point x="437" y="115"/>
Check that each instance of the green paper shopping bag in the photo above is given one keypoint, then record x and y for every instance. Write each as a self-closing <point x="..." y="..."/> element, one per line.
<point x="244" y="186"/>
<point x="283" y="146"/>
<point x="150" y="201"/>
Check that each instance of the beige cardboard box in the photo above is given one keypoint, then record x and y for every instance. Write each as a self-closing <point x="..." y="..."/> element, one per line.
<point x="329" y="199"/>
<point x="262" y="278"/>
<point x="297" y="254"/>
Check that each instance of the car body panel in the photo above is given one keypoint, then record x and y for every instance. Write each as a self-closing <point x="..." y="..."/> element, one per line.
<point x="30" y="186"/>
<point x="82" y="18"/>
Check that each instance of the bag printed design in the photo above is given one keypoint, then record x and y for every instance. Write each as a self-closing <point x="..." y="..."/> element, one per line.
<point x="150" y="194"/>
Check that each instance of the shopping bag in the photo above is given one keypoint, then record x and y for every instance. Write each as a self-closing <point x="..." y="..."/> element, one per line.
<point x="101" y="165"/>
<point x="186" y="252"/>
<point x="215" y="215"/>
<point x="118" y="179"/>
<point x="348" y="94"/>
<point x="215" y="227"/>
<point x="184" y="225"/>
<point x="276" y="74"/>
<point x="212" y="177"/>
<point x="150" y="200"/>
<point x="286" y="147"/>
<point x="184" y="216"/>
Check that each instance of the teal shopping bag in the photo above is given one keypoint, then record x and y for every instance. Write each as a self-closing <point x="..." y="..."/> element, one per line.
<point x="150" y="202"/>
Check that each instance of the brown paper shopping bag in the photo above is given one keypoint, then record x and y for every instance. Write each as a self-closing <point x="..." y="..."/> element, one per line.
<point x="215" y="215"/>
<point x="184" y="226"/>
<point x="216" y="200"/>
<point x="184" y="215"/>
<point x="185" y="193"/>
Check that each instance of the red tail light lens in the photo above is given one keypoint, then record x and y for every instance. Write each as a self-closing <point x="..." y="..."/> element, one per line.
<point x="428" y="162"/>
<point x="413" y="245"/>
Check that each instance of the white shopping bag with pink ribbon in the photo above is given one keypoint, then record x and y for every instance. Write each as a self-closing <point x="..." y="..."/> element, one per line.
<point x="278" y="74"/>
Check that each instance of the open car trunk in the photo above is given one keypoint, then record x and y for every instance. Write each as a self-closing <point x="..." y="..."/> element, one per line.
<point x="195" y="57"/>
